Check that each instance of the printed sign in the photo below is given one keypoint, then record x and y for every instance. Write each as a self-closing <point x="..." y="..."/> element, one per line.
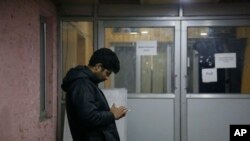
<point x="209" y="75"/>
<point x="225" y="60"/>
<point x="146" y="48"/>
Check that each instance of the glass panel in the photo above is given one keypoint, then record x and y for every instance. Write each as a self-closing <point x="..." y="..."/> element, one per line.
<point x="43" y="47"/>
<point x="145" y="73"/>
<point x="218" y="60"/>
<point x="77" y="44"/>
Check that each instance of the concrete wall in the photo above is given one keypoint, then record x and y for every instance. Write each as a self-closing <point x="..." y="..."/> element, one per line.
<point x="20" y="71"/>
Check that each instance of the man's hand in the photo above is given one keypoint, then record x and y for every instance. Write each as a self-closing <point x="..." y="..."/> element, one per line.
<point x="118" y="112"/>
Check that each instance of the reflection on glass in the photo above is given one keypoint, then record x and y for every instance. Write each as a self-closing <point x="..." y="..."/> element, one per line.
<point x="142" y="73"/>
<point x="77" y="44"/>
<point x="154" y="71"/>
<point x="218" y="59"/>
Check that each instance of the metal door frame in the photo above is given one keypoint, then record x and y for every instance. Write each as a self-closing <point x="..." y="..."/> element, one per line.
<point x="176" y="95"/>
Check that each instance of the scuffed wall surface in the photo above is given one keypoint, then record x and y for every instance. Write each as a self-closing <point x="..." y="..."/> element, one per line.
<point x="20" y="71"/>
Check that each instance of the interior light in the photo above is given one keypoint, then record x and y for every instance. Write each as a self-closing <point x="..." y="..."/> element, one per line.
<point x="133" y="33"/>
<point x="203" y="34"/>
<point x="144" y="32"/>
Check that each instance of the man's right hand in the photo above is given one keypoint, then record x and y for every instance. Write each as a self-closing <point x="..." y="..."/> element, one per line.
<point x="118" y="112"/>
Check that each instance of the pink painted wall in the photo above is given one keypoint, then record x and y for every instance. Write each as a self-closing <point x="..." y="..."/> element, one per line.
<point x="20" y="71"/>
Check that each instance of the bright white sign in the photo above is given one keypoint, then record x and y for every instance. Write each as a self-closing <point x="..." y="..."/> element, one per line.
<point x="209" y="75"/>
<point x="146" y="48"/>
<point x="225" y="60"/>
<point x="66" y="133"/>
<point x="119" y="98"/>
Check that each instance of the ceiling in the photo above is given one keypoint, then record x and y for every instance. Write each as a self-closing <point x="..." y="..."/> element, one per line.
<point x="141" y="2"/>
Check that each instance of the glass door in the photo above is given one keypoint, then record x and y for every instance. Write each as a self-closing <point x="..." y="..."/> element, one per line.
<point x="215" y="79"/>
<point x="149" y="56"/>
<point x="77" y="48"/>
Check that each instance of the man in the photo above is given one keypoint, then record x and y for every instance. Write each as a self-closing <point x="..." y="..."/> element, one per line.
<point x="89" y="115"/>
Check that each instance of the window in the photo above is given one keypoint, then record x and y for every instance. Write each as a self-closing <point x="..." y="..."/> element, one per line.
<point x="46" y="68"/>
<point x="42" y="67"/>
<point x="77" y="45"/>
<point x="143" y="71"/>
<point x="218" y="60"/>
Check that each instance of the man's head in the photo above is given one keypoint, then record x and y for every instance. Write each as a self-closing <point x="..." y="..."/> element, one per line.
<point x="103" y="62"/>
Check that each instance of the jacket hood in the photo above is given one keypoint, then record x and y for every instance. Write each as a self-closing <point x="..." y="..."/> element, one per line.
<point x="79" y="72"/>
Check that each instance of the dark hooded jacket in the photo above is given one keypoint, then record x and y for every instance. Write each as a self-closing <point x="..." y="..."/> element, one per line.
<point x="88" y="112"/>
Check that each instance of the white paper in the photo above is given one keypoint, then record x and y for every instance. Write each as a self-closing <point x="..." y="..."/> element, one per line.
<point x="225" y="60"/>
<point x="146" y="48"/>
<point x="66" y="133"/>
<point x="209" y="75"/>
<point x="119" y="98"/>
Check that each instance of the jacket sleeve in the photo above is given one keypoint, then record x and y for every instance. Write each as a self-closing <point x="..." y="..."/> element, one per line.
<point x="85" y="106"/>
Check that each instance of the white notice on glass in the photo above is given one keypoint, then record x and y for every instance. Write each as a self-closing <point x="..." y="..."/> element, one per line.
<point x="225" y="60"/>
<point x="146" y="48"/>
<point x="209" y="75"/>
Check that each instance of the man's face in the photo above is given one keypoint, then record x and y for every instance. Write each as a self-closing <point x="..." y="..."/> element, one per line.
<point x="103" y="74"/>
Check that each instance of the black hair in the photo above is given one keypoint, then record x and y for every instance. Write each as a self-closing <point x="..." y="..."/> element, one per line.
<point x="107" y="58"/>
